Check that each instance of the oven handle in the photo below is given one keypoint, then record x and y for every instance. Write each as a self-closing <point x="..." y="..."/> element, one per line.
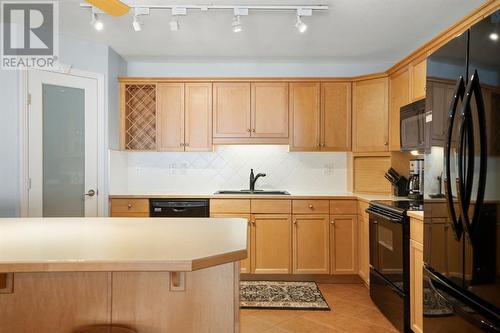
<point x="391" y="219"/>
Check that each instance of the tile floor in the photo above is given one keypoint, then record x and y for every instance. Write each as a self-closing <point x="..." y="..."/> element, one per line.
<point x="352" y="311"/>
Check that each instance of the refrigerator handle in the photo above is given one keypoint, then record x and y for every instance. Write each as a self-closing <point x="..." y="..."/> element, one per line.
<point x="456" y="221"/>
<point x="474" y="88"/>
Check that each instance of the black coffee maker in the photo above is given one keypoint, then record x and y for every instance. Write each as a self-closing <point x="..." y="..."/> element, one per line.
<point x="416" y="180"/>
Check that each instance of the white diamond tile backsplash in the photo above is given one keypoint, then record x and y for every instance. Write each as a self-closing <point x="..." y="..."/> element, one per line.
<point x="227" y="167"/>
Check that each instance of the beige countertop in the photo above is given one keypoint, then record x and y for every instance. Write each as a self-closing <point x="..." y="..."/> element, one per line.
<point x="293" y="195"/>
<point x="119" y="244"/>
<point x="417" y="214"/>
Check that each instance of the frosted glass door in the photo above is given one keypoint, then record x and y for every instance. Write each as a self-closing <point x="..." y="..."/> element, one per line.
<point x="62" y="145"/>
<point x="63" y="151"/>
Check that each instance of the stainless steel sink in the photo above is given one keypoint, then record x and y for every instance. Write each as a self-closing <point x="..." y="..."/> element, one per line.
<point x="263" y="192"/>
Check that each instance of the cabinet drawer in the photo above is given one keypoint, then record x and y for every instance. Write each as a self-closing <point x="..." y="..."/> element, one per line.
<point x="218" y="206"/>
<point x="129" y="206"/>
<point x="340" y="207"/>
<point x="311" y="207"/>
<point x="265" y="206"/>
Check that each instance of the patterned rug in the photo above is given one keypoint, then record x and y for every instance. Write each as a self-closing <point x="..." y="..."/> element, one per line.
<point x="281" y="295"/>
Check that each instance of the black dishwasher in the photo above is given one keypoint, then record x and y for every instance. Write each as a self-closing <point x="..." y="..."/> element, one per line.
<point x="179" y="207"/>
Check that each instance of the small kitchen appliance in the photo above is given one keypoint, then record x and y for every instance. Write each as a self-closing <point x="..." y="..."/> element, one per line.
<point x="416" y="180"/>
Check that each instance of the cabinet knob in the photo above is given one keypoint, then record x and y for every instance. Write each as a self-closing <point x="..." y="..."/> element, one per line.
<point x="129" y="205"/>
<point x="332" y="222"/>
<point x="311" y="206"/>
<point x="186" y="145"/>
<point x="248" y="129"/>
<point x="294" y="221"/>
<point x="253" y="130"/>
<point x="253" y="222"/>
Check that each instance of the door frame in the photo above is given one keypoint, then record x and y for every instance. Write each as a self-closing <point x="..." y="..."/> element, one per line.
<point x="102" y="137"/>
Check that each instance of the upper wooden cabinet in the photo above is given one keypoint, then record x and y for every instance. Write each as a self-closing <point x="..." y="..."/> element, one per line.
<point x="184" y="117"/>
<point x="269" y="117"/>
<point x="335" y="126"/>
<point x="418" y="75"/>
<point x="304" y="116"/>
<point x="370" y="115"/>
<point x="399" y="95"/>
<point x="232" y="110"/>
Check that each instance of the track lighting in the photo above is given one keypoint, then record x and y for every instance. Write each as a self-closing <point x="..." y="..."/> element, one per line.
<point x="97" y="24"/>
<point x="301" y="26"/>
<point x="237" y="24"/>
<point x="136" y="24"/>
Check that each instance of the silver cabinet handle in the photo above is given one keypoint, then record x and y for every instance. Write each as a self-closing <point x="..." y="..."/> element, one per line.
<point x="90" y="193"/>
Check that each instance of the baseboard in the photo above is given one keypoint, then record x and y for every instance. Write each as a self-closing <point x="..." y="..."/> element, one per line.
<point x="323" y="278"/>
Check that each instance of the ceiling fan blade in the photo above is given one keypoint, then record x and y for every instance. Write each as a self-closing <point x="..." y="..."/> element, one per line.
<point x="111" y="7"/>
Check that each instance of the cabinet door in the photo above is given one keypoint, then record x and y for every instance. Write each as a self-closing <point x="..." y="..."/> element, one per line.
<point x="370" y="115"/>
<point x="311" y="248"/>
<point x="245" y="263"/>
<point x="336" y="116"/>
<point x="440" y="95"/>
<point x="399" y="91"/>
<point x="343" y="244"/>
<point x="198" y="122"/>
<point x="231" y="110"/>
<point x="304" y="116"/>
<point x="170" y="116"/>
<point x="271" y="244"/>
<point x="416" y="286"/>
<point x="364" y="250"/>
<point x="418" y="73"/>
<point x="270" y="110"/>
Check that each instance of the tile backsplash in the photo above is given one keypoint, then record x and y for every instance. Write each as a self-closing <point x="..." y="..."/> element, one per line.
<point x="227" y="167"/>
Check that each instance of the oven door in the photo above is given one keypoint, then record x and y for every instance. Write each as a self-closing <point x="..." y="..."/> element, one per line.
<point x="386" y="248"/>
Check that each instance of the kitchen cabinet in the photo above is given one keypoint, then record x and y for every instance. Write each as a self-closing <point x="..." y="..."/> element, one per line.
<point x="304" y="107"/>
<point x="343" y="244"/>
<point x="335" y="122"/>
<point x="129" y="207"/>
<point x="399" y="95"/>
<point x="311" y="244"/>
<point x="363" y="242"/>
<point x="231" y="110"/>
<point x="271" y="242"/>
<point x="416" y="275"/>
<point x="440" y="93"/>
<point x="245" y="264"/>
<point x="370" y="115"/>
<point x="184" y="117"/>
<point x="418" y="75"/>
<point x="269" y="110"/>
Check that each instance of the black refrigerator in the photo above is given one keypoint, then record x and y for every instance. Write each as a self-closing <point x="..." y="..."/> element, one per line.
<point x="461" y="273"/>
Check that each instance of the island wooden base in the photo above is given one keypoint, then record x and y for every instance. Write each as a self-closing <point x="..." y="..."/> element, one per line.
<point x="206" y="300"/>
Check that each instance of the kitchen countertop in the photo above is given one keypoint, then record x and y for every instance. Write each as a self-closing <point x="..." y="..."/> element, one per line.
<point x="293" y="195"/>
<point x="119" y="244"/>
<point x="417" y="214"/>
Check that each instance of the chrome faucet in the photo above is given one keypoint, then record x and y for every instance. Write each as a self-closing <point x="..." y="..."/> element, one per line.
<point x="253" y="179"/>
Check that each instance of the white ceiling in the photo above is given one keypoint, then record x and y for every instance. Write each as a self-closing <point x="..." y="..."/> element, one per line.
<point x="351" y="31"/>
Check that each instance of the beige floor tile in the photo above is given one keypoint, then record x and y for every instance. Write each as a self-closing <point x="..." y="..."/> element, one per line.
<point x="302" y="325"/>
<point x="252" y="324"/>
<point x="274" y="317"/>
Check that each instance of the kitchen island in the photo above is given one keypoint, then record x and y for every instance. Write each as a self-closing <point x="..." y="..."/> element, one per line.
<point x="162" y="275"/>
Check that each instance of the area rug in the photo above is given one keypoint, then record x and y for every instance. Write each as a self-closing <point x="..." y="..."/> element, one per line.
<point x="281" y="295"/>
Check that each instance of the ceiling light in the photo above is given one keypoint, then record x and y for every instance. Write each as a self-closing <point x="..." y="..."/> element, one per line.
<point x="301" y="26"/>
<point x="237" y="24"/>
<point x="174" y="24"/>
<point x="97" y="24"/>
<point x="494" y="36"/>
<point x="136" y="24"/>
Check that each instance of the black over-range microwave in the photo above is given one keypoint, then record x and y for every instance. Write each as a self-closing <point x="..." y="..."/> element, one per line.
<point x="412" y="123"/>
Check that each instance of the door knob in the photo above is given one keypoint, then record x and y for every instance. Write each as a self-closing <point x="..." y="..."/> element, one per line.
<point x="90" y="193"/>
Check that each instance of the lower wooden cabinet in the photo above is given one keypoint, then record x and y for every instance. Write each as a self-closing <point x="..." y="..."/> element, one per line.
<point x="271" y="242"/>
<point x="364" y="249"/>
<point x="129" y="207"/>
<point x="245" y="263"/>
<point x="416" y="286"/>
<point x="343" y="244"/>
<point x="311" y="244"/>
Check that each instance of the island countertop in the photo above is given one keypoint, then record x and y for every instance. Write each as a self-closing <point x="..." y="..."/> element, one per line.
<point x="119" y="244"/>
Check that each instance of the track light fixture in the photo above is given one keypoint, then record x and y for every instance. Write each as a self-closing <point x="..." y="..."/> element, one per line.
<point x="301" y="26"/>
<point x="174" y="24"/>
<point x="237" y="24"/>
<point x="136" y="24"/>
<point x="96" y="23"/>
